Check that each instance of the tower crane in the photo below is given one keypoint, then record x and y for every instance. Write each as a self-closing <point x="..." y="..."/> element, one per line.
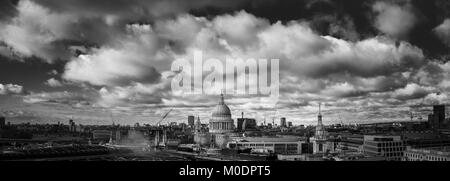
<point x="164" y="117"/>
<point x="415" y="109"/>
<point x="158" y="141"/>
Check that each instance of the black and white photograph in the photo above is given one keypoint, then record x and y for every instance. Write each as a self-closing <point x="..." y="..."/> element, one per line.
<point x="227" y="81"/>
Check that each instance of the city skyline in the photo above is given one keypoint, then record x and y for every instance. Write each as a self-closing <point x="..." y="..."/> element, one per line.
<point x="365" y="61"/>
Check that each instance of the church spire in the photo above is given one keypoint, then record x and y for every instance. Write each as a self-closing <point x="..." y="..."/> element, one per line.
<point x="319" y="108"/>
<point x="319" y="117"/>
<point x="221" y="102"/>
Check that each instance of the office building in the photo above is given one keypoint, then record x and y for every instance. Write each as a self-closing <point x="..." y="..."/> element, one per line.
<point x="191" y="121"/>
<point x="246" y="124"/>
<point x="437" y="119"/>
<point x="277" y="145"/>
<point x="72" y="126"/>
<point x="289" y="124"/>
<point x="351" y="144"/>
<point x="283" y="122"/>
<point x="427" y="154"/>
<point x="391" y="147"/>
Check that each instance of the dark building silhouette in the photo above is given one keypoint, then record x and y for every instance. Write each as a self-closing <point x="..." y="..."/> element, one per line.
<point x="437" y="119"/>
<point x="246" y="124"/>
<point x="191" y="121"/>
<point x="289" y="124"/>
<point x="2" y="122"/>
<point x="283" y="122"/>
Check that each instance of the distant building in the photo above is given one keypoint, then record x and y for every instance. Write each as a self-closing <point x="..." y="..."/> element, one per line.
<point x="191" y="121"/>
<point x="353" y="144"/>
<point x="289" y="124"/>
<point x="246" y="124"/>
<point x="391" y="147"/>
<point x="198" y="126"/>
<point x="277" y="145"/>
<point x="356" y="156"/>
<point x="2" y="122"/>
<point x="427" y="154"/>
<point x="437" y="119"/>
<point x="283" y="122"/>
<point x="428" y="142"/>
<point x="72" y="126"/>
<point x="101" y="135"/>
<point x="118" y="136"/>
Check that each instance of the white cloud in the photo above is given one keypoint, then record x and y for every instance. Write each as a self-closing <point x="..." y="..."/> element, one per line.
<point x="338" y="67"/>
<point x="35" y="32"/>
<point x="393" y="19"/>
<point x="52" y="82"/>
<point x="6" y="89"/>
<point x="412" y="91"/>
<point x="240" y="29"/>
<point x="131" y="60"/>
<point x="64" y="97"/>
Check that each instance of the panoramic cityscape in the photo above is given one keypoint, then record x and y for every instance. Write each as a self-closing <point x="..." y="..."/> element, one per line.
<point x="221" y="138"/>
<point x="218" y="80"/>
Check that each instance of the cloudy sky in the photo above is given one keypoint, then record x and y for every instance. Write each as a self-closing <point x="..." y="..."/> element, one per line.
<point x="103" y="60"/>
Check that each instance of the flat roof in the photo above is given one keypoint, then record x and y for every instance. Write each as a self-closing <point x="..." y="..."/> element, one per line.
<point x="269" y="139"/>
<point x="445" y="151"/>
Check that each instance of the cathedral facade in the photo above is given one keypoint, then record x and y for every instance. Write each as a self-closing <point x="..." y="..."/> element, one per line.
<point x="221" y="127"/>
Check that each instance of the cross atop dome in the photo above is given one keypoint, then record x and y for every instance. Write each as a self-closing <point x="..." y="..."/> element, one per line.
<point x="221" y="102"/>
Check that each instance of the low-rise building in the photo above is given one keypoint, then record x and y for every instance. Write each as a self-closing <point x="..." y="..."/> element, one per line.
<point x="391" y="147"/>
<point x="102" y="135"/>
<point x="277" y="145"/>
<point x="427" y="154"/>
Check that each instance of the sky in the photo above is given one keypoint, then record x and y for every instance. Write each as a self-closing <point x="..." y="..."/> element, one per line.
<point x="105" y="61"/>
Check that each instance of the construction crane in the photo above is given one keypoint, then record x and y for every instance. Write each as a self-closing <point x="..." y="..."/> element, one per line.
<point x="414" y="110"/>
<point x="164" y="117"/>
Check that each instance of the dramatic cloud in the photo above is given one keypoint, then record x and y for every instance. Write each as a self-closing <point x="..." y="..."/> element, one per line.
<point x="412" y="91"/>
<point x="443" y="31"/>
<point x="394" y="19"/>
<point x="11" y="89"/>
<point x="65" y="97"/>
<point x="131" y="60"/>
<point x="117" y="55"/>
<point x="53" y="83"/>
<point x="36" y="32"/>
<point x="347" y="69"/>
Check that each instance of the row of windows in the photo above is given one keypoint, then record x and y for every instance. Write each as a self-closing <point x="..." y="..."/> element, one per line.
<point x="395" y="154"/>
<point x="393" y="149"/>
<point x="253" y="145"/>
<point x="384" y="144"/>
<point x="414" y="157"/>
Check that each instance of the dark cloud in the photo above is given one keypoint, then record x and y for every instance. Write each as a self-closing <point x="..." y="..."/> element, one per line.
<point x="7" y="9"/>
<point x="117" y="53"/>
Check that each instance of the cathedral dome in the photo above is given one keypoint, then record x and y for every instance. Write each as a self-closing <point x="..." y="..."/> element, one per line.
<point x="221" y="109"/>
<point x="221" y="121"/>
